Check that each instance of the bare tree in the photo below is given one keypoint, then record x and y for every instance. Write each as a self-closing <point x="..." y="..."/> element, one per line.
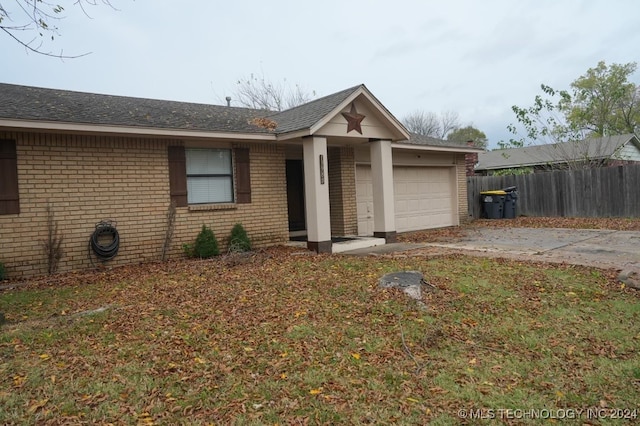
<point x="449" y="121"/>
<point x="422" y="123"/>
<point x="430" y="124"/>
<point x="31" y="22"/>
<point x="260" y="93"/>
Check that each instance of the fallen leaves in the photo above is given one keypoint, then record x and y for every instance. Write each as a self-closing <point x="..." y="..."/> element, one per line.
<point x="289" y="339"/>
<point x="37" y="405"/>
<point x="614" y="223"/>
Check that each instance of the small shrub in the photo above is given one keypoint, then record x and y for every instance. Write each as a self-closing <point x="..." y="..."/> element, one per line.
<point x="206" y="244"/>
<point x="239" y="240"/>
<point x="3" y="272"/>
<point x="188" y="250"/>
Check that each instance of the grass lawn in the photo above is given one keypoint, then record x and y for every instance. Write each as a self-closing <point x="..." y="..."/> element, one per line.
<point x="295" y="338"/>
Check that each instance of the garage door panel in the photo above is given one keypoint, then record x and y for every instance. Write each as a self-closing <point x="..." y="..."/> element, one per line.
<point x="423" y="198"/>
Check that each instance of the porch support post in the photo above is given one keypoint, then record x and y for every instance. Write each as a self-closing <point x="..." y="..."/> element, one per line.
<point x="316" y="187"/>
<point x="384" y="224"/>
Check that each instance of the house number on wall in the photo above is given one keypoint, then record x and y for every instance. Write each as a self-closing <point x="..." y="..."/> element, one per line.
<point x="321" y="169"/>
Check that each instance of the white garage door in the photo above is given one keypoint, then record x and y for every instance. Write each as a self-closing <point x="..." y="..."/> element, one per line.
<point x="424" y="198"/>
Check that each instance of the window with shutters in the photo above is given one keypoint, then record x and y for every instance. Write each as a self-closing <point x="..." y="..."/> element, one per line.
<point x="9" y="194"/>
<point x="209" y="176"/>
<point x="199" y="176"/>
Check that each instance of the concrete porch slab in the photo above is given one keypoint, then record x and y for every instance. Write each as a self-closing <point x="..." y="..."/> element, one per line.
<point x="385" y="249"/>
<point x="357" y="243"/>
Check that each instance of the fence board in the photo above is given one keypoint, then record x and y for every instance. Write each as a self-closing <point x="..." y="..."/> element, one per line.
<point x="598" y="192"/>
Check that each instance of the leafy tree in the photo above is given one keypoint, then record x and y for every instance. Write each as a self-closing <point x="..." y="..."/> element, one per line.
<point x="602" y="102"/>
<point x="258" y="92"/>
<point x="544" y="121"/>
<point x="469" y="133"/>
<point x="430" y="124"/>
<point x="31" y="22"/>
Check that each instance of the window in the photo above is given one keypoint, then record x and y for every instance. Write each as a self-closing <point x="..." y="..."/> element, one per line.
<point x="9" y="195"/>
<point x="209" y="176"/>
<point x="201" y="176"/>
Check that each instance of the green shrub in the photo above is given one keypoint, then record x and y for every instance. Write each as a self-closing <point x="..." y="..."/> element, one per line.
<point x="3" y="271"/>
<point x="188" y="250"/>
<point x="239" y="240"/>
<point x="206" y="244"/>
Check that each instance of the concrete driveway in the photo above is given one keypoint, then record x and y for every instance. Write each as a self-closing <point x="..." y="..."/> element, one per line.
<point x="590" y="247"/>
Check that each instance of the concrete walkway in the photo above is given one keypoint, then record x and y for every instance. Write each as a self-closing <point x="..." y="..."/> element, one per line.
<point x="590" y="247"/>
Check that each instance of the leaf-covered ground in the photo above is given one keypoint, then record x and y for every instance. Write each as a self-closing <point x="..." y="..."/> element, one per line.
<point x="285" y="337"/>
<point x="617" y="223"/>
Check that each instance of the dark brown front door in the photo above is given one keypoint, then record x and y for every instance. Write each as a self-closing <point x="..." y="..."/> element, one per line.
<point x="295" y="195"/>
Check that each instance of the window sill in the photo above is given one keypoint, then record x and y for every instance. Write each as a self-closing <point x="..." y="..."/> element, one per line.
<point x="209" y="207"/>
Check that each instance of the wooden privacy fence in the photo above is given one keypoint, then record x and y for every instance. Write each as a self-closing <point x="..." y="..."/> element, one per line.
<point x="598" y="192"/>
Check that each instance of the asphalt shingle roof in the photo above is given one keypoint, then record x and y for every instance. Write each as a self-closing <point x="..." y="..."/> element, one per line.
<point x="63" y="106"/>
<point x="33" y="103"/>
<point x="593" y="148"/>
<point x="306" y="115"/>
<point x="417" y="139"/>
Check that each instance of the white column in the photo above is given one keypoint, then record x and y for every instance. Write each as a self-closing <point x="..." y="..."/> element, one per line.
<point x="384" y="223"/>
<point x="316" y="186"/>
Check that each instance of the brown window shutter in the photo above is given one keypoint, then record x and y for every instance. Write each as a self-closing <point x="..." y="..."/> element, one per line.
<point x="178" y="176"/>
<point x="9" y="193"/>
<point x="243" y="175"/>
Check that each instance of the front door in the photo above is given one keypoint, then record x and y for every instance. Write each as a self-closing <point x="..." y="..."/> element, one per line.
<point x="295" y="195"/>
<point x="364" y="200"/>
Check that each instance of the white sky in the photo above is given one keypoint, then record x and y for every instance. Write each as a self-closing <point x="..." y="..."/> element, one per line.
<point x="477" y="58"/>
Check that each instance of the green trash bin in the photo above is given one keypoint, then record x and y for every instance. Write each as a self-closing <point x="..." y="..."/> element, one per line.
<point x="493" y="204"/>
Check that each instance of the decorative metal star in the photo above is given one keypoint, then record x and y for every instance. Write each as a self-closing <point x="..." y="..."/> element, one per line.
<point x="353" y="119"/>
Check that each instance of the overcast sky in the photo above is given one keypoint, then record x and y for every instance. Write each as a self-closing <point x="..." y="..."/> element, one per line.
<point x="477" y="58"/>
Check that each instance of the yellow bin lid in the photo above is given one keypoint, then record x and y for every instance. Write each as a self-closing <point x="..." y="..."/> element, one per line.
<point x="498" y="192"/>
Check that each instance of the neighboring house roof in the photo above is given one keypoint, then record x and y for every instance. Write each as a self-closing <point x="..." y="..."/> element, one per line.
<point x="417" y="139"/>
<point x="587" y="149"/>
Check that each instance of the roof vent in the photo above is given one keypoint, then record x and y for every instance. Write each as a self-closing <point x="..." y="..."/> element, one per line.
<point x="228" y="98"/>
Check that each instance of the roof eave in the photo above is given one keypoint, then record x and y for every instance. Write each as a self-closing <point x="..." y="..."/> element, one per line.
<point x="461" y="149"/>
<point x="130" y="130"/>
<point x="295" y="134"/>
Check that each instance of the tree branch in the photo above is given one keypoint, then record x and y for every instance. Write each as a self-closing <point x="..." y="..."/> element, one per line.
<point x="37" y="16"/>
<point x="40" y="52"/>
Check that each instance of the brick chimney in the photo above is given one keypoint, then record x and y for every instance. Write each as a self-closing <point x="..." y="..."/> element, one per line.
<point x="471" y="160"/>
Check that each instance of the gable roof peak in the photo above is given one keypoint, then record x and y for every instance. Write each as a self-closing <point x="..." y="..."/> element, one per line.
<point x="306" y="115"/>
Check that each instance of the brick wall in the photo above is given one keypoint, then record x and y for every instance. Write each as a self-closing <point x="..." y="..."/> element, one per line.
<point x="87" y="179"/>
<point x="342" y="191"/>
<point x="461" y="182"/>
